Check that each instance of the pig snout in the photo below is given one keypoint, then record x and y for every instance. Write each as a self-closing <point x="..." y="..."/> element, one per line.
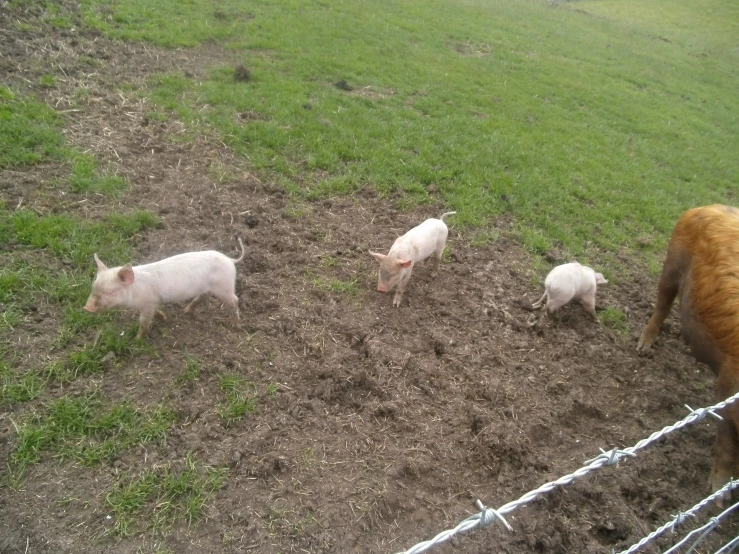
<point x="382" y="287"/>
<point x="90" y="307"/>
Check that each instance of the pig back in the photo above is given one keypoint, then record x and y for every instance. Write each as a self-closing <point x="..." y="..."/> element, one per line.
<point x="185" y="276"/>
<point x="710" y="235"/>
<point x="421" y="241"/>
<point x="569" y="281"/>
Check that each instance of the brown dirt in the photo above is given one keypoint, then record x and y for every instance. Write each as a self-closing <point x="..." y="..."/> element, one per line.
<point x="389" y="423"/>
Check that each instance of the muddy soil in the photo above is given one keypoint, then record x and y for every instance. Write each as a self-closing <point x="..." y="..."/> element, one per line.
<point x="387" y="424"/>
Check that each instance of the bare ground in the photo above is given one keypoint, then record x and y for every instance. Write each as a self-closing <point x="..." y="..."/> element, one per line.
<point x="388" y="423"/>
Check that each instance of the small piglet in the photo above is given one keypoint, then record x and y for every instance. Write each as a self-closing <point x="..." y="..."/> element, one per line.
<point x="571" y="281"/>
<point x="176" y="279"/>
<point x="428" y="238"/>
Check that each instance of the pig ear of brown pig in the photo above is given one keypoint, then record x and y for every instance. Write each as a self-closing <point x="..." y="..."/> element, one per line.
<point x="378" y="257"/>
<point x="404" y="263"/>
<point x="101" y="265"/>
<point x="125" y="274"/>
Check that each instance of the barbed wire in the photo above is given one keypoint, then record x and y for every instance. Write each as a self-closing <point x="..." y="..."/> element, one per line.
<point x="732" y="544"/>
<point x="706" y="528"/>
<point x="488" y="516"/>
<point x="681" y="517"/>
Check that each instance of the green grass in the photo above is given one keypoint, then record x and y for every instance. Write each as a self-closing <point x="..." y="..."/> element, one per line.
<point x="615" y="319"/>
<point x="62" y="268"/>
<point x="109" y="341"/>
<point x="50" y="256"/>
<point x="47" y="81"/>
<point x="350" y="287"/>
<point x="30" y="134"/>
<point x="190" y="373"/>
<point x="28" y="131"/>
<point x="44" y="11"/>
<point x="87" y="177"/>
<point x="240" y="398"/>
<point x="73" y="240"/>
<point x="86" y="429"/>
<point x="157" y="498"/>
<point x="592" y="123"/>
<point x="18" y="386"/>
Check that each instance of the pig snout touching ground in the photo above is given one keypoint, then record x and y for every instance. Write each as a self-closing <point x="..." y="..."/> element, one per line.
<point x="425" y="240"/>
<point x="143" y="288"/>
<point x="568" y="282"/>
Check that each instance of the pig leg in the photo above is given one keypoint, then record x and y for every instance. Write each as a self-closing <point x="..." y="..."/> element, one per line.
<point x="727" y="441"/>
<point x="727" y="449"/>
<point x="669" y="284"/>
<point x="435" y="261"/>
<point x="540" y="302"/>
<point x="401" y="287"/>
<point x="233" y="305"/>
<point x="145" y="319"/>
<point x="588" y="300"/>
<point x="231" y="301"/>
<point x="191" y="306"/>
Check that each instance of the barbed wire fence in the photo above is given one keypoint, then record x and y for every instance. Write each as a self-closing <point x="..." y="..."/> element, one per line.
<point x="488" y="516"/>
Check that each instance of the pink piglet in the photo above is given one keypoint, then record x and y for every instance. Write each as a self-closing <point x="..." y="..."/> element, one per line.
<point x="183" y="277"/>
<point x="570" y="281"/>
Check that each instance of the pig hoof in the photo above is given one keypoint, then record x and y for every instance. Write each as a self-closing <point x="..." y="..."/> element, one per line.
<point x="643" y="347"/>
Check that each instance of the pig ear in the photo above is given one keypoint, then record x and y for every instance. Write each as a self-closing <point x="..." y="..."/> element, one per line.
<point x="125" y="274"/>
<point x="101" y="265"/>
<point x="378" y="257"/>
<point x="404" y="263"/>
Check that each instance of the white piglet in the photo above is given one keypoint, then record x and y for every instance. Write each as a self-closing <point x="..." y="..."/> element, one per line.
<point x="424" y="240"/>
<point x="571" y="281"/>
<point x="183" y="277"/>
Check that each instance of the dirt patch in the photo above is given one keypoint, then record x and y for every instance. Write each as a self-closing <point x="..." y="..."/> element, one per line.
<point x="386" y="424"/>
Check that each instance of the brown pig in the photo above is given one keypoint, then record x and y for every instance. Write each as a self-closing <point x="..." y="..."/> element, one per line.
<point x="702" y="266"/>
<point x="424" y="240"/>
<point x="144" y="287"/>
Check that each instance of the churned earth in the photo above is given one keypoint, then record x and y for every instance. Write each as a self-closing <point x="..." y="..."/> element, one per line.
<point x="382" y="426"/>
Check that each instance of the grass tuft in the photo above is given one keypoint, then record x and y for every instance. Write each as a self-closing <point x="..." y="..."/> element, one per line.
<point x="28" y="133"/>
<point x="158" y="498"/>
<point x="240" y="398"/>
<point x="191" y="372"/>
<point x="87" y="429"/>
<point x="17" y="386"/>
<point x="615" y="319"/>
<point x="350" y="287"/>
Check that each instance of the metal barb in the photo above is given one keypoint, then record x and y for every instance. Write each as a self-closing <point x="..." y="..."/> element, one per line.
<point x="701" y="411"/>
<point x="678" y="519"/>
<point x="488" y="516"/>
<point x="610" y="457"/>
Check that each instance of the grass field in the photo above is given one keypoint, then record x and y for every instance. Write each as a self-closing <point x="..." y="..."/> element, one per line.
<point x="591" y="125"/>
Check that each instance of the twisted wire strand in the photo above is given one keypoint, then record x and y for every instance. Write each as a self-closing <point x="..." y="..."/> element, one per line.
<point x="704" y="529"/>
<point x="680" y="517"/>
<point x="729" y="547"/>
<point x="611" y="457"/>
